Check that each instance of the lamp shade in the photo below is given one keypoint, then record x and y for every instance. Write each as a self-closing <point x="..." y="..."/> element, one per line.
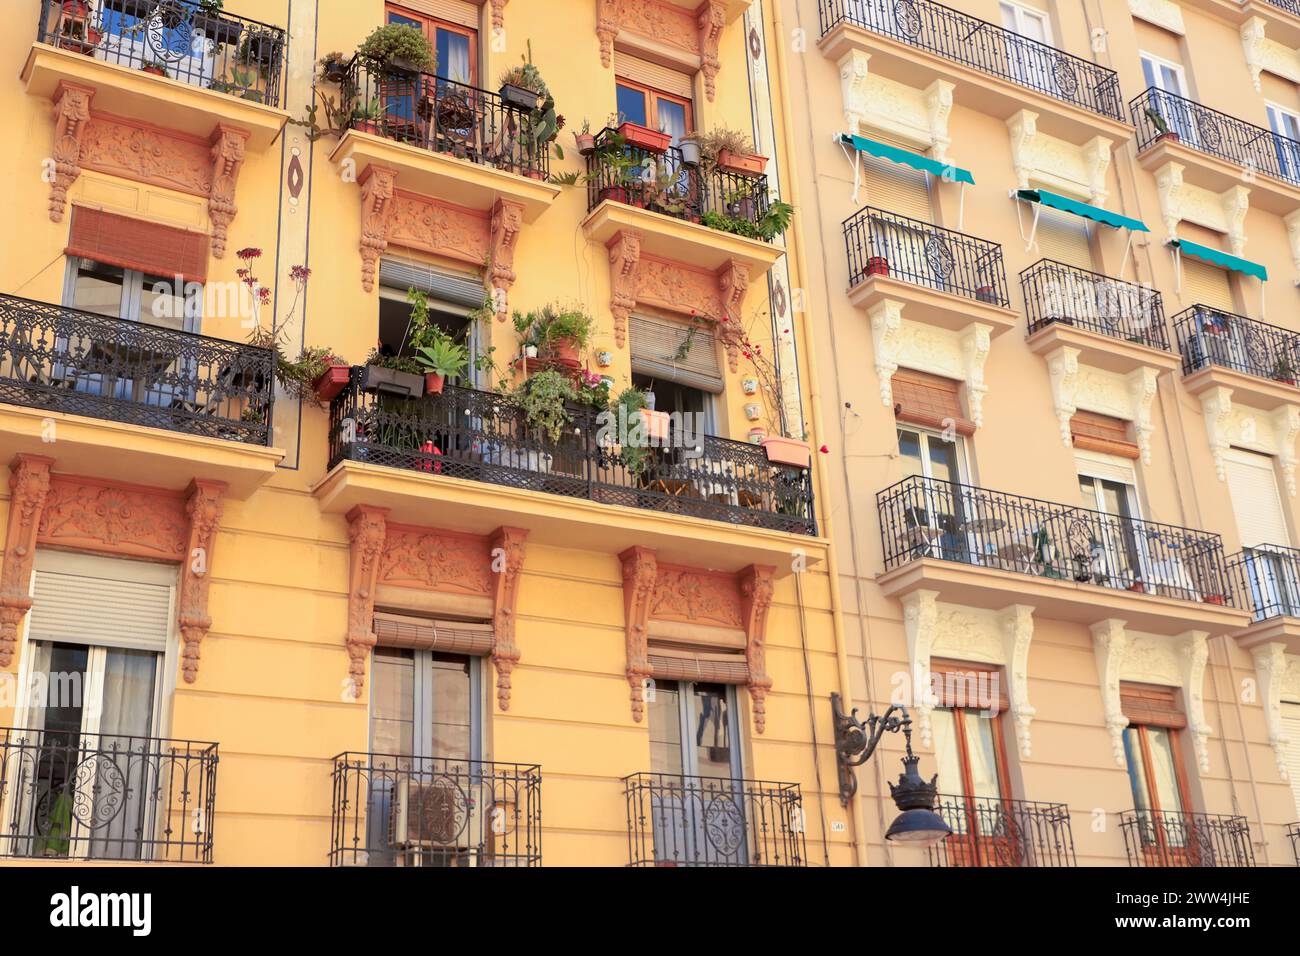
<point x="919" y="827"/>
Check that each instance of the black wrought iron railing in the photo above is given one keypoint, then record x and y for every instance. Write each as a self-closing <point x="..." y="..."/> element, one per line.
<point x="1293" y="834"/>
<point x="677" y="820"/>
<point x="1058" y="293"/>
<point x="1208" y="336"/>
<point x="666" y="183"/>
<point x="988" y="831"/>
<point x="483" y="436"/>
<point x="983" y="46"/>
<point x="1290" y="6"/>
<point x="181" y="39"/>
<point x="1157" y="838"/>
<point x="1268" y="579"/>
<point x="443" y="116"/>
<point x="883" y="243"/>
<point x="1158" y="114"/>
<point x="926" y="518"/>
<point x="393" y="810"/>
<point x="83" y="363"/>
<point x="75" y="796"/>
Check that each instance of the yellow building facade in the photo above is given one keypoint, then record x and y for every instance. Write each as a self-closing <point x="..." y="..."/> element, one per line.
<point x="997" y="428"/>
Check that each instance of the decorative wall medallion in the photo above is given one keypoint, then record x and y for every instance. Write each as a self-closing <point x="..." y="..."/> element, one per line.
<point x="295" y="178"/>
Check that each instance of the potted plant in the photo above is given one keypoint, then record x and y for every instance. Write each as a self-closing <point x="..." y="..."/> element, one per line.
<point x="331" y="373"/>
<point x="153" y="67"/>
<point x="987" y="293"/>
<point x="521" y="87"/>
<point x="767" y="227"/>
<point x="543" y="399"/>
<point x="368" y="117"/>
<point x="1283" y="371"/>
<point x="333" y="68"/>
<point x="788" y="447"/>
<point x="396" y="375"/>
<point x="690" y="147"/>
<point x="442" y="358"/>
<point x="730" y="150"/>
<point x="1138" y="586"/>
<point x="643" y="137"/>
<point x="633" y="453"/>
<point x="1163" y="131"/>
<point x="76" y="31"/>
<point x="585" y="139"/>
<point x="1220" y="599"/>
<point x="877" y="266"/>
<point x="399" y="48"/>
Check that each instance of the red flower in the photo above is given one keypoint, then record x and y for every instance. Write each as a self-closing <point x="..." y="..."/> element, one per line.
<point x="824" y="450"/>
<point x="300" y="274"/>
<point x="248" y="253"/>
<point x="264" y="295"/>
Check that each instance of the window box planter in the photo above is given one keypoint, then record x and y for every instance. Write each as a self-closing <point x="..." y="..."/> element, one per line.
<point x="389" y="381"/>
<point x="742" y="164"/>
<point x="643" y="137"/>
<point x="332" y="381"/>
<point x="876" y="266"/>
<point x="520" y="97"/>
<point x="787" y="451"/>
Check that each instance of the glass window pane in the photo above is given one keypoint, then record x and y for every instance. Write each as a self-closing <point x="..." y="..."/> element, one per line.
<point x="98" y="288"/>
<point x="128" y="697"/>
<point x="981" y="746"/>
<point x="665" y="729"/>
<point x="947" y="756"/>
<point x="712" y="719"/>
<point x="1136" y="769"/>
<point x="909" y="447"/>
<point x="454" y="56"/>
<point x="943" y="459"/>
<point x="1161" y="744"/>
<point x="392" y="702"/>
<point x="672" y="119"/>
<point x="1088" y="492"/>
<point x="450" y="709"/>
<point x="162" y="304"/>
<point x="631" y="103"/>
<point x="65" y="683"/>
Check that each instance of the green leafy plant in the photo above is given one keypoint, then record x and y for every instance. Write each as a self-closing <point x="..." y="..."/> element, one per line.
<point x="542" y="398"/>
<point x="719" y="139"/>
<point x="544" y="123"/>
<point x="399" y="42"/>
<point x="150" y="65"/>
<point x="443" y="356"/>
<point x="1157" y="120"/>
<point x="399" y="363"/>
<point x="331" y="66"/>
<point x="211" y="7"/>
<point x="770" y="225"/>
<point x="627" y="407"/>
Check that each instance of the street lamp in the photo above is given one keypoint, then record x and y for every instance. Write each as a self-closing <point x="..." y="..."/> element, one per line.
<point x="855" y="742"/>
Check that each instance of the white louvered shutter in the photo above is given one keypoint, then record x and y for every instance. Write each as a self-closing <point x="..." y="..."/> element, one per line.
<point x="1063" y="238"/>
<point x="106" y="602"/>
<point x="1206" y="284"/>
<point x="1256" y="503"/>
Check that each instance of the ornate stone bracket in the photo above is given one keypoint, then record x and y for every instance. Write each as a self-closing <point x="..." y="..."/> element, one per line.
<point x="508" y="553"/>
<point x="366" y="535"/>
<point x="624" y="255"/>
<point x="71" y="117"/>
<point x="507" y="221"/>
<point x="1017" y="631"/>
<point x="1292" y="221"/>
<point x="916" y="114"/>
<point x="855" y="74"/>
<point x="377" y="190"/>
<point x="920" y="615"/>
<point x="1216" y="405"/>
<point x="887" y="338"/>
<point x="1036" y="156"/>
<point x="203" y="509"/>
<point x="1224" y="212"/>
<point x="976" y="341"/>
<point x="1270" y="666"/>
<point x="607" y="29"/>
<point x="756" y="588"/>
<point x="1063" y="372"/>
<point x="227" y="160"/>
<point x="1286" y="427"/>
<point x="1110" y="642"/>
<point x="697" y="34"/>
<point x="1142" y="394"/>
<point x="498" y="14"/>
<point x="710" y="18"/>
<point x="29" y="485"/>
<point x="640" y="570"/>
<point x="1195" y="653"/>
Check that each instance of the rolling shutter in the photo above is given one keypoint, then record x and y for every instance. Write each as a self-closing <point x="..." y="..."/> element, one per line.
<point x="1206" y="284"/>
<point x="657" y="344"/>
<point x="128" y="243"/>
<point x="1291" y="727"/>
<point x="102" y="601"/>
<point x="1063" y="238"/>
<point x="425" y="634"/>
<point x="1152" y="705"/>
<point x="968" y="685"/>
<point x="653" y="75"/>
<point x="448" y="287"/>
<point x="461" y="12"/>
<point x="707" y="668"/>
<point x="1102" y="433"/>
<point x="1256" y="503"/>
<point x="930" y="401"/>
<point x="896" y="188"/>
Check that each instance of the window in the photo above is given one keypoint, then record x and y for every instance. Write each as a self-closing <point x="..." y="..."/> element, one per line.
<point x="1286" y="124"/>
<point x="132" y="295"/>
<point x="395" y="323"/>
<point x="1107" y="486"/>
<point x="1064" y="238"/>
<point x="1028" y="64"/>
<point x="1155" y="771"/>
<point x="1291" y="727"/>
<point x="1170" y="99"/>
<point x="1270" y="569"/>
<point x="655" y="109"/>
<point x="934" y="518"/>
<point x="454" y="44"/>
<point x="1028" y="22"/>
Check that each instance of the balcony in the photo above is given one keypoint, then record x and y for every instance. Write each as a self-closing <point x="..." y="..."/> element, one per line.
<point x="199" y="399"/>
<point x="993" y="832"/>
<point x="475" y="452"/>
<point x="1293" y="834"/>
<point x="1001" y="72"/>
<point x="938" y="276"/>
<point x="1216" y="148"/>
<point x="1268" y="579"/>
<point x="215" y="67"/>
<point x="1157" y="838"/>
<point x="391" y="810"/>
<point x="985" y="548"/>
<point x="1258" y="361"/>
<point x="70" y="796"/>
<point x="676" y="206"/>
<point x="675" y="820"/>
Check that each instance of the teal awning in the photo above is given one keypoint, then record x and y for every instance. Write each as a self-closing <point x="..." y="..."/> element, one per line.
<point x="906" y="157"/>
<point x="1221" y="259"/>
<point x="1074" y="207"/>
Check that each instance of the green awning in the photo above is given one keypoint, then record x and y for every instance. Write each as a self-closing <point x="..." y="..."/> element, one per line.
<point x="1221" y="259"/>
<point x="1073" y="206"/>
<point x="906" y="157"/>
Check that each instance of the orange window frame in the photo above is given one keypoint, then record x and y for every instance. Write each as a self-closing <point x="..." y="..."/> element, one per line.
<point x="431" y="26"/>
<point x="963" y="753"/>
<point x="1180" y="773"/>
<point x="652" y="98"/>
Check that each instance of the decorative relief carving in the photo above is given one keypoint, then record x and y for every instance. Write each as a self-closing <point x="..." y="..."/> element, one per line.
<point x="508" y="543"/>
<point x="855" y="74"/>
<point x="507" y="220"/>
<point x="1163" y="13"/>
<point x="1271" y="666"/>
<point x="378" y="185"/>
<point x="1286" y="426"/>
<point x="227" y="160"/>
<point x="1292" y="221"/>
<point x="920" y="615"/>
<point x="203" y="510"/>
<point x="1194" y="654"/>
<point x="71" y="117"/>
<point x="440" y="228"/>
<point x="436" y="561"/>
<point x="1017" y="631"/>
<point x="756" y="589"/>
<point x="1236" y="203"/>
<point x="663" y="22"/>
<point x="147" y="155"/>
<point x="29" y="486"/>
<point x="976" y="340"/>
<point x="1040" y="159"/>
<point x="938" y="108"/>
<point x="1216" y="405"/>
<point x="679" y="288"/>
<point x="366" y="535"/>
<point x="499" y="15"/>
<point x="696" y="597"/>
<point x="624" y="255"/>
<point x="886" y="336"/>
<point x="710" y="19"/>
<point x="1169" y="189"/>
<point x="1142" y="394"/>
<point x="606" y="29"/>
<point x="1263" y="54"/>
<point x="695" y="34"/>
<point x="92" y="515"/>
<point x="1110" y="642"/>
<point x="640" y="572"/>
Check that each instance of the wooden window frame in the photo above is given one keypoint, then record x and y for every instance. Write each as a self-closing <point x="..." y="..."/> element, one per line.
<point x="653" y="96"/>
<point x="431" y="24"/>
<point x="1161" y="852"/>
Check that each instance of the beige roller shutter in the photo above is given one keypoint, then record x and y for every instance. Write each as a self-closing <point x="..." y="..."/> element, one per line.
<point x="1063" y="238"/>
<point x="660" y="349"/>
<point x="1252" y="483"/>
<point x="426" y="634"/>
<point x="653" y="75"/>
<point x="83" y="599"/>
<point x="896" y="188"/>
<point x="1206" y="284"/>
<point x="1291" y="727"/>
<point x="460" y="12"/>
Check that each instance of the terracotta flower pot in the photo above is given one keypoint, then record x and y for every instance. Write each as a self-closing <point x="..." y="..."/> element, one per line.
<point x="1171" y="136"/>
<point x="1138" y="587"/>
<point x="615" y="194"/>
<point x="564" y="351"/>
<point x="643" y="137"/>
<point x="743" y="164"/>
<point x="433" y="383"/>
<point x="367" y="126"/>
<point x="331" y="382"/>
<point x="787" y="451"/>
<point x="877" y="266"/>
<point x="155" y="70"/>
<point x="1215" y="599"/>
<point x="586" y="143"/>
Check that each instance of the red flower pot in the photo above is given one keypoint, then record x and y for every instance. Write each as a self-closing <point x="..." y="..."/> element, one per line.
<point x="586" y="143"/>
<point x="1138" y="587"/>
<point x="615" y="194"/>
<point x="743" y="164"/>
<point x="367" y="126"/>
<point x="433" y="383"/>
<point x="1171" y="136"/>
<point x="332" y="381"/>
<point x="877" y="266"/>
<point x="429" y="448"/>
<point x="564" y="351"/>
<point x="1215" y="599"/>
<point x="154" y="70"/>
<point x="643" y="137"/>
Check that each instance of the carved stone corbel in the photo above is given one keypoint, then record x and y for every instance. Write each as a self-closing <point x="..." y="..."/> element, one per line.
<point x="1195" y="653"/>
<point x="29" y="484"/>
<point x="938" y="107"/>
<point x="367" y="532"/>
<point x="1270" y="666"/>
<point x="1142" y="393"/>
<point x="733" y="282"/>
<point x="1063" y="373"/>
<point x="227" y="160"/>
<point x="507" y="221"/>
<point x="1286" y="426"/>
<point x="1216" y="405"/>
<point x="976" y="340"/>
<point x="1236" y="203"/>
<point x="1023" y="126"/>
<point x="854" y="75"/>
<point x="71" y="116"/>
<point x="1169" y="188"/>
<point x="508" y="548"/>
<point x="1110" y="644"/>
<point x="1017" y="631"/>
<point x="624" y="257"/>
<point x="606" y="29"/>
<point x="1096" y="158"/>
<point x="711" y="18"/>
<point x="920" y="615"/>
<point x="1292" y="221"/>
<point x="378" y="184"/>
<point x="499" y="14"/>
<point x="887" y="338"/>
<point x="1252" y="43"/>
<point x="756" y="588"/>
<point x="203" y="509"/>
<point x="640" y="570"/>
